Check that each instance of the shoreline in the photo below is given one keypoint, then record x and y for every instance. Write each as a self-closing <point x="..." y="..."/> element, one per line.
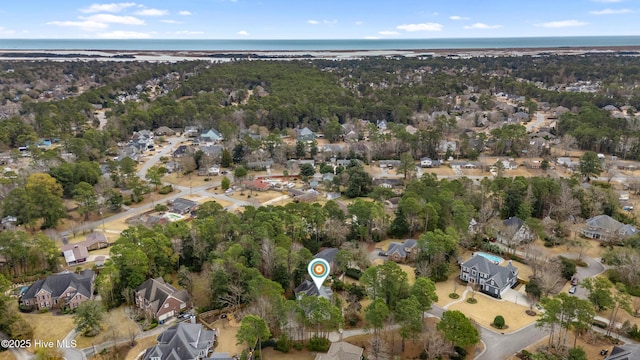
<point x="229" y="55"/>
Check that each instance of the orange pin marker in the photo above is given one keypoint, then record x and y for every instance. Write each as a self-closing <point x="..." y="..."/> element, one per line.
<point x="318" y="270"/>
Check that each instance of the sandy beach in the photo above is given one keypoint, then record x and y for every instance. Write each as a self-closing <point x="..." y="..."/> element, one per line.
<point x="225" y="56"/>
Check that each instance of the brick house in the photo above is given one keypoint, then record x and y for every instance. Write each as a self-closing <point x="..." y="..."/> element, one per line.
<point x="160" y="300"/>
<point x="65" y="289"/>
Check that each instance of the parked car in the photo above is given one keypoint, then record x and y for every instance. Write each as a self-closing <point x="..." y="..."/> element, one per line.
<point x="185" y="316"/>
<point x="382" y="253"/>
<point x="572" y="290"/>
<point x="574" y="281"/>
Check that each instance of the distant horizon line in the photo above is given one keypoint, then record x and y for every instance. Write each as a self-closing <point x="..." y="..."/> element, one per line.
<point x="332" y="39"/>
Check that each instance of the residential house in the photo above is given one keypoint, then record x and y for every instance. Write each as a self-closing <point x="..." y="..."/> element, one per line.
<point x="65" y="289"/>
<point x="191" y="131"/>
<point x="389" y="183"/>
<point x="183" y="206"/>
<point x="212" y="150"/>
<point x="426" y="162"/>
<point x="160" y="299"/>
<point x="624" y="352"/>
<point x="95" y="241"/>
<point x="604" y="227"/>
<point x="400" y="252"/>
<point x="305" y="134"/>
<point x="514" y="231"/>
<point x="164" y="131"/>
<point x="342" y="351"/>
<point x="75" y="253"/>
<point x="308" y="288"/>
<point x="257" y="184"/>
<point x="211" y="136"/>
<point x="258" y="165"/>
<point x="173" y="166"/>
<point x="492" y="278"/>
<point x="180" y="151"/>
<point x="333" y="149"/>
<point x="381" y="125"/>
<point x="184" y="341"/>
<point x="328" y="254"/>
<point x="509" y="164"/>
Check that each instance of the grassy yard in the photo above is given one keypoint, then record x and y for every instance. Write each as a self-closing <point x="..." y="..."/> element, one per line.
<point x="592" y="348"/>
<point x="488" y="308"/>
<point x="116" y="323"/>
<point x="49" y="327"/>
<point x="141" y="345"/>
<point x="227" y="339"/>
<point x="444" y="288"/>
<point x="200" y="292"/>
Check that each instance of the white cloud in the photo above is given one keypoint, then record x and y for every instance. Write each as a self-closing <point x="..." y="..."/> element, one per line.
<point x="388" y="33"/>
<point x="358" y="23"/>
<point x="152" y="12"/>
<point x="187" y="32"/>
<point x="610" y="11"/>
<point x="88" y="25"/>
<point x="4" y="31"/>
<point x="562" y="24"/>
<point x="371" y="37"/>
<point x="124" y="35"/>
<point x="482" y="26"/>
<point x="184" y="12"/>
<point x="456" y="17"/>
<point x="330" y="22"/>
<point x="113" y="7"/>
<point x="243" y="33"/>
<point x="313" y="22"/>
<point x="171" y="21"/>
<point x="115" y="19"/>
<point x="420" y="27"/>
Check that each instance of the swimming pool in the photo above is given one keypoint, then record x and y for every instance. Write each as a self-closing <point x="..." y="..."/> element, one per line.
<point x="496" y="259"/>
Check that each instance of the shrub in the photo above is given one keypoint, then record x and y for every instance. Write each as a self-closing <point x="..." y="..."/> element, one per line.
<point x="338" y="285"/>
<point x="298" y="346"/>
<point x="319" y="344"/>
<point x="499" y="322"/>
<point x="459" y="353"/>
<point x="472" y="301"/>
<point x="353" y="273"/>
<point x="127" y="202"/>
<point x="165" y="189"/>
<point x="283" y="344"/>
<point x="454" y="296"/>
<point x="161" y="207"/>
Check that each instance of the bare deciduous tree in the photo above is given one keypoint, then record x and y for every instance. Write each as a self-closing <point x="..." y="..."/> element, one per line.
<point x="378" y="349"/>
<point x="435" y="344"/>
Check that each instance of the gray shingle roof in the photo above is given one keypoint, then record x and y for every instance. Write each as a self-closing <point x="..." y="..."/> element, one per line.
<point x="308" y="288"/>
<point x="56" y="284"/>
<point x="328" y="254"/>
<point x="342" y="351"/>
<point x="156" y="291"/>
<point x="500" y="274"/>
<point x="624" y="352"/>
<point x="183" y="341"/>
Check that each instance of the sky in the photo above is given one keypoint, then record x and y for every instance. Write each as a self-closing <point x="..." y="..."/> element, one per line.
<point x="316" y="19"/>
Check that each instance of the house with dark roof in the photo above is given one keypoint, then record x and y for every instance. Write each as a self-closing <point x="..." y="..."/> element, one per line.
<point x="492" y="278"/>
<point x="308" y="288"/>
<point x="191" y="131"/>
<point x="183" y="341"/>
<point x="180" y="151"/>
<point x="160" y="299"/>
<point x="183" y="206"/>
<point x="604" y="227"/>
<point x="328" y="254"/>
<point x="400" y="252"/>
<point x="624" y="352"/>
<point x="342" y="351"/>
<point x="65" y="289"/>
<point x="258" y="165"/>
<point x="514" y="231"/>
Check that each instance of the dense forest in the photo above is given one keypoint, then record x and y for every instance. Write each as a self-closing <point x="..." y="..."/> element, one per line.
<point x="291" y="94"/>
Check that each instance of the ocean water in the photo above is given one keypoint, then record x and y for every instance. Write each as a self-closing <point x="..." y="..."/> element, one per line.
<point x="318" y="45"/>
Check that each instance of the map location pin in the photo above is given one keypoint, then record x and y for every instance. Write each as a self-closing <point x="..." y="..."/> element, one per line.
<point x="318" y="270"/>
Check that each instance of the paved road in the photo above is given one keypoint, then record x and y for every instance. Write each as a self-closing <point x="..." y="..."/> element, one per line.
<point x="594" y="268"/>
<point x="498" y="346"/>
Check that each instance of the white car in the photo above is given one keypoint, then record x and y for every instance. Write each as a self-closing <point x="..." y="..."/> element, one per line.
<point x="572" y="290"/>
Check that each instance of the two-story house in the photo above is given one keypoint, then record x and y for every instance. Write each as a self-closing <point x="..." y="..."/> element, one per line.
<point x="183" y="341"/>
<point x="492" y="278"/>
<point x="401" y="252"/>
<point x="160" y="300"/>
<point x="65" y="289"/>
